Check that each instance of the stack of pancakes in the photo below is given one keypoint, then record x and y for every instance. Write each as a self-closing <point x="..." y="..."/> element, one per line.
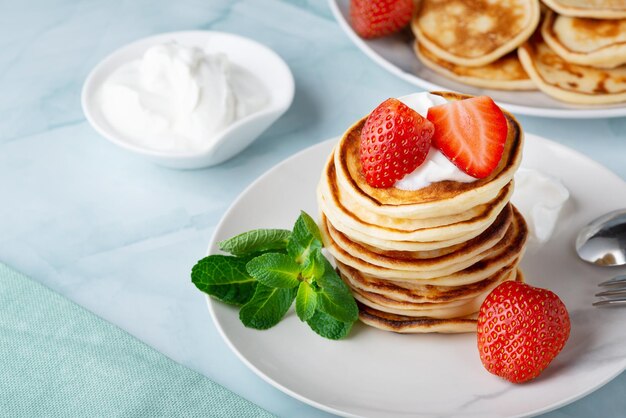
<point x="576" y="54"/>
<point x="424" y="260"/>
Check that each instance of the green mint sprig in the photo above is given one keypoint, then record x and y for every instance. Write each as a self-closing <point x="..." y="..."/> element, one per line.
<point x="269" y="269"/>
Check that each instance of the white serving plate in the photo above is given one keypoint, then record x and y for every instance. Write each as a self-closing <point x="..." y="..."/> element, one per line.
<point x="381" y="374"/>
<point x="395" y="54"/>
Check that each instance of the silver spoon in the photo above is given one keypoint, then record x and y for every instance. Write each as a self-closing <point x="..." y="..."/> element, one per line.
<point x="603" y="241"/>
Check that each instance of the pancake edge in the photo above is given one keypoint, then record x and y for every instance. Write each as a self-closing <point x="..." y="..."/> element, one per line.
<point x="560" y="93"/>
<point x="605" y="57"/>
<point x="511" y="85"/>
<point x="579" y="12"/>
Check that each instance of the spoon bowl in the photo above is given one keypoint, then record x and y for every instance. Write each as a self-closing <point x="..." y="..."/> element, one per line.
<point x="260" y="61"/>
<point x="603" y="240"/>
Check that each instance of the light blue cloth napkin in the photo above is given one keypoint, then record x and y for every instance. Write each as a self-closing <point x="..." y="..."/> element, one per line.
<point x="57" y="359"/>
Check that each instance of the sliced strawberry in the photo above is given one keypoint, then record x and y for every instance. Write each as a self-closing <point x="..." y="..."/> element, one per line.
<point x="374" y="18"/>
<point x="471" y="133"/>
<point x="521" y="329"/>
<point x="395" y="140"/>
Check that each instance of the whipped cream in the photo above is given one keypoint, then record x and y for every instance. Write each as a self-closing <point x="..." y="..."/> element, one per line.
<point x="539" y="198"/>
<point x="178" y="98"/>
<point x="436" y="167"/>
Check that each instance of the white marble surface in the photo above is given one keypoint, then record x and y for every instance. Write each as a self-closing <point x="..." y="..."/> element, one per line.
<point x="119" y="235"/>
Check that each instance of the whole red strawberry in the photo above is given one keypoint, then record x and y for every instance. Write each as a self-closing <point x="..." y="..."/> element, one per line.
<point x="521" y="329"/>
<point x="374" y="18"/>
<point x="395" y="140"/>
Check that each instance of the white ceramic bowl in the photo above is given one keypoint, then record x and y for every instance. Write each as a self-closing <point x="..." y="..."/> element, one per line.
<point x="258" y="59"/>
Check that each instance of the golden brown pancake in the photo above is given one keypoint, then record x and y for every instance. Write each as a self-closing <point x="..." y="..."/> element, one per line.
<point x="410" y="325"/>
<point x="503" y="253"/>
<point x="469" y="252"/>
<point x="583" y="41"/>
<point x="571" y="82"/>
<point x="413" y="325"/>
<point x="419" y="293"/>
<point x="439" y="199"/>
<point x="452" y="226"/>
<point x="474" y="33"/>
<point x="598" y="9"/>
<point x="468" y="248"/>
<point x="342" y="206"/>
<point x="445" y="310"/>
<point x="505" y="73"/>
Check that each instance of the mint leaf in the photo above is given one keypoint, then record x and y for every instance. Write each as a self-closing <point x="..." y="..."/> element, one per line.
<point x="255" y="241"/>
<point x="314" y="266"/>
<point x="225" y="278"/>
<point x="328" y="327"/>
<point x="306" y="301"/>
<point x="334" y="296"/>
<point x="267" y="307"/>
<point x="275" y="270"/>
<point x="305" y="238"/>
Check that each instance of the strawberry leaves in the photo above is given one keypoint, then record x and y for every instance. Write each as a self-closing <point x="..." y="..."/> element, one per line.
<point x="272" y="268"/>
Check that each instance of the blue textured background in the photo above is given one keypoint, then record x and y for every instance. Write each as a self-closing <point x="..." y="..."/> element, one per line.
<point x="119" y="235"/>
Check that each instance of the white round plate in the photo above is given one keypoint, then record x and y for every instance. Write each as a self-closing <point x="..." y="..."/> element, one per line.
<point x="395" y="54"/>
<point x="381" y="374"/>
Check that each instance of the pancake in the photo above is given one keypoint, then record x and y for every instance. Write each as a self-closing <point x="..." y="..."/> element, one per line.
<point x="466" y="249"/>
<point x="571" y="82"/>
<point x="388" y="245"/>
<point x="438" y="199"/>
<point x="598" y="9"/>
<point x="336" y="212"/>
<point x="469" y="252"/>
<point x="420" y="293"/>
<point x="441" y="310"/>
<point x="592" y="42"/>
<point x="505" y="73"/>
<point x="509" y="248"/>
<point x="411" y="325"/>
<point x="474" y="33"/>
<point x="343" y="207"/>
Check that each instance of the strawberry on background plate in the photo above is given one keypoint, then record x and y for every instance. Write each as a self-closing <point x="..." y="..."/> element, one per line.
<point x="521" y="329"/>
<point x="375" y="18"/>
<point x="471" y="133"/>
<point x="395" y="140"/>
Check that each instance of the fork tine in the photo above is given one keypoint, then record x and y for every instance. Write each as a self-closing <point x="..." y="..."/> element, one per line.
<point x="612" y="292"/>
<point x="615" y="281"/>
<point x="611" y="302"/>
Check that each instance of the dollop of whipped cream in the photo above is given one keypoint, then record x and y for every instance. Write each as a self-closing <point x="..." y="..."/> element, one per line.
<point x="436" y="167"/>
<point x="539" y="198"/>
<point x="178" y="97"/>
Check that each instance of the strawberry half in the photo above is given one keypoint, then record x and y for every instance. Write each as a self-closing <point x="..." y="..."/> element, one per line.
<point x="374" y="18"/>
<point x="395" y="140"/>
<point x="471" y="133"/>
<point x="521" y="329"/>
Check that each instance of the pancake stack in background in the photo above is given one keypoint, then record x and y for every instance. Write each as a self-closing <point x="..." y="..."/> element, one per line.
<point x="423" y="260"/>
<point x="577" y="58"/>
<point x="475" y="41"/>
<point x="577" y="53"/>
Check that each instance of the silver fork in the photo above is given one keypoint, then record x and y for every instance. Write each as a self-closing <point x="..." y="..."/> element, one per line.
<point x="615" y="293"/>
